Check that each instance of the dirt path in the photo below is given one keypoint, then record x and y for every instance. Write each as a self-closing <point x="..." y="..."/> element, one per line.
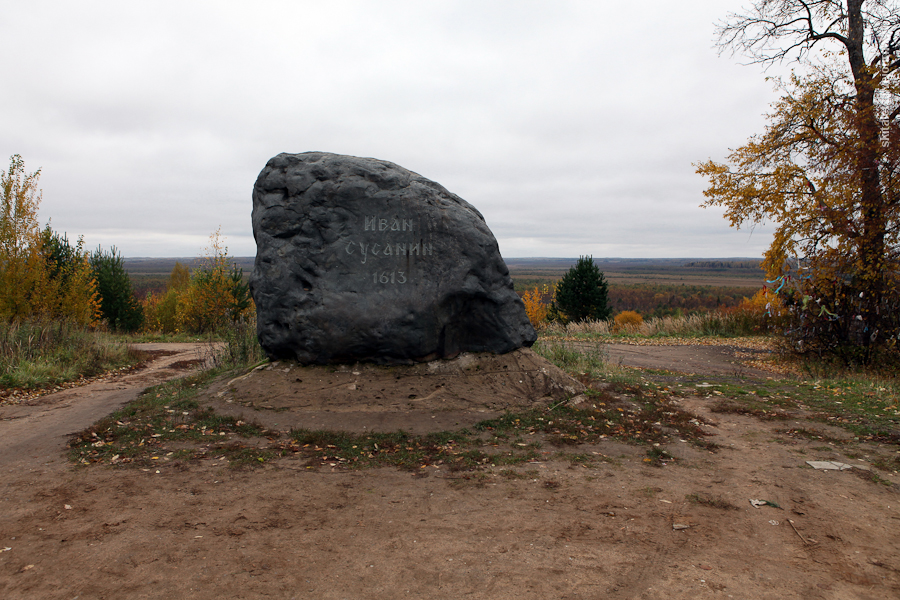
<point x="705" y="360"/>
<point x="555" y="528"/>
<point x="34" y="432"/>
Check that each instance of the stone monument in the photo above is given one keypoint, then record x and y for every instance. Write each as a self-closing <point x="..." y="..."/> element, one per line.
<point x="359" y="259"/>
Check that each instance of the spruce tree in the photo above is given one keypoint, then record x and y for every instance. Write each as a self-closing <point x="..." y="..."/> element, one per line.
<point x="118" y="305"/>
<point x="582" y="293"/>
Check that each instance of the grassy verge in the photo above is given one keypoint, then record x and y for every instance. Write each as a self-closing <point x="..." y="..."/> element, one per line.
<point x="165" y="422"/>
<point x="158" y="337"/>
<point x="42" y="354"/>
<point x="708" y="324"/>
<point x="239" y="346"/>
<point x="868" y="407"/>
<point x="513" y="438"/>
<point x="590" y="362"/>
<point x="168" y="422"/>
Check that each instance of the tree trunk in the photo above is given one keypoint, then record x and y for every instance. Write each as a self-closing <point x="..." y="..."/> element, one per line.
<point x="868" y="150"/>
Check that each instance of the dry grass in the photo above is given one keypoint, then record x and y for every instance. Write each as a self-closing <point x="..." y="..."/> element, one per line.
<point x="692" y="327"/>
<point x="36" y="354"/>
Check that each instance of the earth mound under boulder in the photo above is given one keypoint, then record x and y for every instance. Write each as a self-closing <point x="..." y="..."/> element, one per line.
<point x="359" y="259"/>
<point x="420" y="398"/>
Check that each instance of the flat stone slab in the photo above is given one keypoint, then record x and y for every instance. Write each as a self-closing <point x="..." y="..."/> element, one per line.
<point x="829" y="465"/>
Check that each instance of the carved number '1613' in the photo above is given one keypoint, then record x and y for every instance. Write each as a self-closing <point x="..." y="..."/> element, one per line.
<point x="389" y="277"/>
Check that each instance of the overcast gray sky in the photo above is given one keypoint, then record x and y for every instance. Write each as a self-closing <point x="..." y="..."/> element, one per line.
<point x="571" y="126"/>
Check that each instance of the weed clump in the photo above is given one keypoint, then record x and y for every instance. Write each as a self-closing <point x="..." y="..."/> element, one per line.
<point x="710" y="501"/>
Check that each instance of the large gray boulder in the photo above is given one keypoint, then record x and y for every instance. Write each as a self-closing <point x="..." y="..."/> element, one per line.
<point x="359" y="259"/>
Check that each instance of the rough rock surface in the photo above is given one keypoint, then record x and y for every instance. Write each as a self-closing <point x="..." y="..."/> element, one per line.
<point x="362" y="260"/>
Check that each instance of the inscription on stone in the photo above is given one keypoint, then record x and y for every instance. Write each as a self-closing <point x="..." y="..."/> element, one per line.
<point x="391" y="227"/>
<point x="392" y="277"/>
<point x="364" y="249"/>
<point x="360" y="259"/>
<point x="381" y="224"/>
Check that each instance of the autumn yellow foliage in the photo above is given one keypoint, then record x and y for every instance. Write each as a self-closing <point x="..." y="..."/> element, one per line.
<point x="537" y="304"/>
<point x="41" y="275"/>
<point x="823" y="172"/>
<point x="628" y="320"/>
<point x="764" y="303"/>
<point x="764" y="311"/>
<point x="206" y="300"/>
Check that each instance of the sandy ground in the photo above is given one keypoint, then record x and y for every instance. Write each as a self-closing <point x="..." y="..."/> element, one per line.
<point x="617" y="528"/>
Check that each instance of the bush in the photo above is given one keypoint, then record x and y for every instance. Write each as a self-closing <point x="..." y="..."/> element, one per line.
<point x="535" y="306"/>
<point x="240" y="345"/>
<point x="216" y="295"/>
<point x="161" y="310"/>
<point x="825" y="315"/>
<point x="759" y="314"/>
<point x="582" y="294"/>
<point x="71" y="287"/>
<point x="628" y="320"/>
<point x="212" y="298"/>
<point x="588" y="361"/>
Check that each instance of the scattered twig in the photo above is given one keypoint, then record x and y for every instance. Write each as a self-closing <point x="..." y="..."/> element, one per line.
<point x="791" y="523"/>
<point x="558" y="404"/>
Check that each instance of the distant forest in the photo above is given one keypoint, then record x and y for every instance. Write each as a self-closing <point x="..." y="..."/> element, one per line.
<point x="724" y="264"/>
<point x="669" y="300"/>
<point x="652" y="287"/>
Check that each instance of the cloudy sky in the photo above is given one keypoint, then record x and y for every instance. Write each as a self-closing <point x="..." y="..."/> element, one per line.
<point x="571" y="125"/>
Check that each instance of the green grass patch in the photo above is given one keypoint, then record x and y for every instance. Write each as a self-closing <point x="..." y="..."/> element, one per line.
<point x="510" y="474"/>
<point x="164" y="417"/>
<point x="590" y="362"/>
<point x="651" y="420"/>
<point x="159" y="337"/>
<point x="167" y="423"/>
<point x="38" y="354"/>
<point x="750" y="408"/>
<point x="868" y="407"/>
<point x="813" y="435"/>
<point x="456" y="451"/>
<point x="658" y="457"/>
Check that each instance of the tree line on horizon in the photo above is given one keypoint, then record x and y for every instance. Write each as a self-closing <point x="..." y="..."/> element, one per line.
<point x="46" y="277"/>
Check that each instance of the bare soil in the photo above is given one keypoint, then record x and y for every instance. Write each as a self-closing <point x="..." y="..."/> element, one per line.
<point x="554" y="528"/>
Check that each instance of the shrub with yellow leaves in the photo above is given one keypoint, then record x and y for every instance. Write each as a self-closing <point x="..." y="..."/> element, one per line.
<point x="537" y="304"/>
<point x="628" y="320"/>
